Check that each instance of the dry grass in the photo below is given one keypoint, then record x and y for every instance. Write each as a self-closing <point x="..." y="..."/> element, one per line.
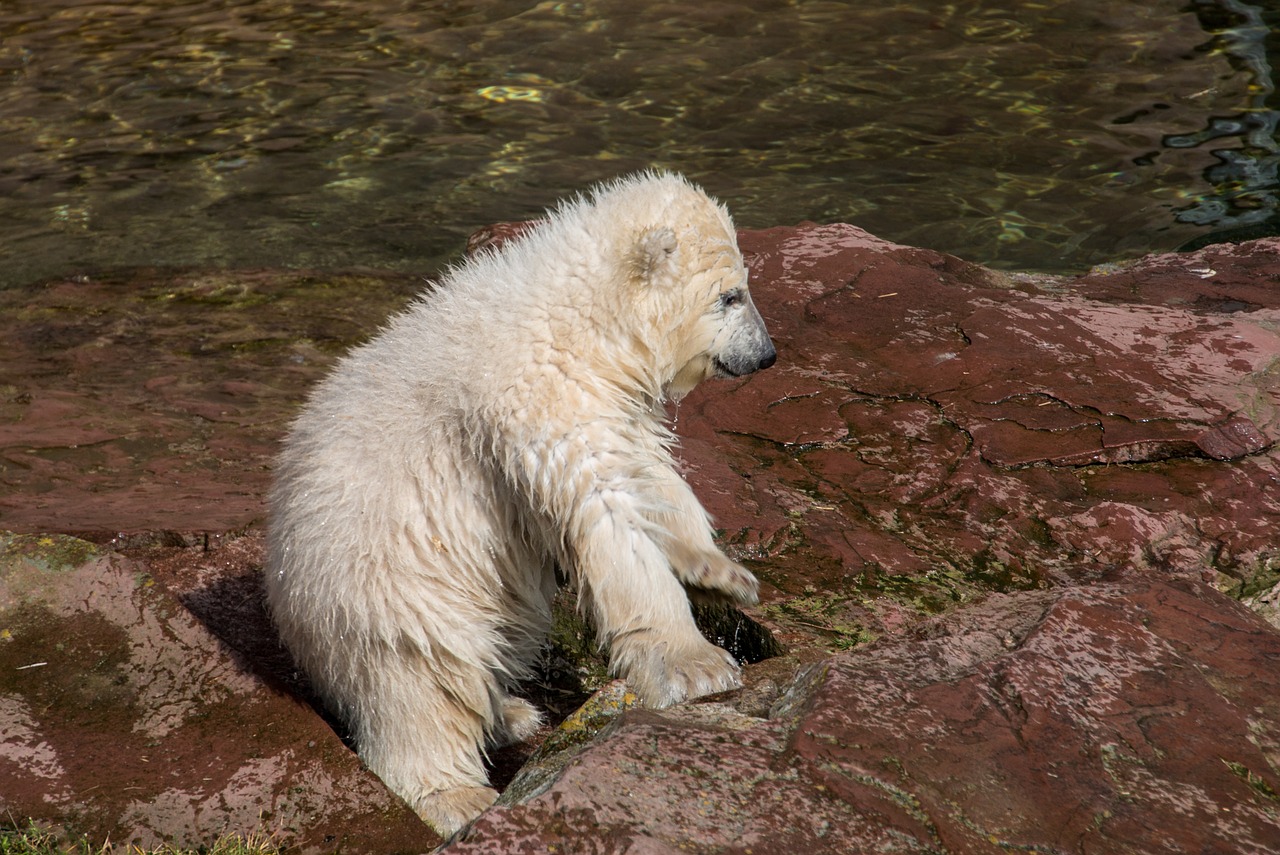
<point x="34" y="840"/>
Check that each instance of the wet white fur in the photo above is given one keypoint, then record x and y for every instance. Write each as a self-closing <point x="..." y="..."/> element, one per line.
<point x="510" y="420"/>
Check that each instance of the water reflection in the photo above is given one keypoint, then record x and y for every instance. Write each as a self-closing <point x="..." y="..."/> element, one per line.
<point x="379" y="133"/>
<point x="1243" y="202"/>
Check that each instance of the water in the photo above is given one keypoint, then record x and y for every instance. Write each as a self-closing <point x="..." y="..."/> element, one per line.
<point x="1030" y="135"/>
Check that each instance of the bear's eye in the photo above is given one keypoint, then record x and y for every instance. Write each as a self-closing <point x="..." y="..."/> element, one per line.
<point x="731" y="298"/>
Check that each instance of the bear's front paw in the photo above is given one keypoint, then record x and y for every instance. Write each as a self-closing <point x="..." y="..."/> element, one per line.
<point x="711" y="570"/>
<point x="665" y="672"/>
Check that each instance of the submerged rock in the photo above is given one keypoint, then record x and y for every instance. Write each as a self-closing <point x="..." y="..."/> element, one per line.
<point x="992" y="515"/>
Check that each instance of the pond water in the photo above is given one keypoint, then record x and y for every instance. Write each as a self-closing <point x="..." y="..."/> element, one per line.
<point x="1046" y="135"/>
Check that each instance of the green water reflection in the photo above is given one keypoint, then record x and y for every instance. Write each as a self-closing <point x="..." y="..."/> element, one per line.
<point x="1037" y="135"/>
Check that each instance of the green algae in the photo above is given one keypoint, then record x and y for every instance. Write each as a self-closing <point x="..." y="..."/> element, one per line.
<point x="1265" y="576"/>
<point x="826" y="613"/>
<point x="1255" y="782"/>
<point x="575" y="733"/>
<point x="49" y="553"/>
<point x="572" y="661"/>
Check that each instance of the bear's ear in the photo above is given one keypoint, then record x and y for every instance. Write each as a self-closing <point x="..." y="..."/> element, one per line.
<point x="655" y="254"/>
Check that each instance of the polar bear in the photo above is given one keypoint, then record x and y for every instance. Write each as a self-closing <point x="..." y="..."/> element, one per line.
<point x="508" y="423"/>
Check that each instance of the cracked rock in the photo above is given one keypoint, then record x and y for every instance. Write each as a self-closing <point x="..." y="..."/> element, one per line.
<point x="991" y="515"/>
<point x="1076" y="720"/>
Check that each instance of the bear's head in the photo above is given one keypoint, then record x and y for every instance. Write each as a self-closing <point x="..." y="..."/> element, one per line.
<point x="687" y="271"/>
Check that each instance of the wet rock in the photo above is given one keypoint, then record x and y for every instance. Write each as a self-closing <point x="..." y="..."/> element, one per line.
<point x="152" y="400"/>
<point x="934" y="429"/>
<point x="1130" y="716"/>
<point x="578" y="730"/>
<point x="1053" y="466"/>
<point x="122" y="717"/>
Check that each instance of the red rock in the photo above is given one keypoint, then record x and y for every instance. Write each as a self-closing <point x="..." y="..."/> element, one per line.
<point x="1127" y="717"/>
<point x="123" y="718"/>
<point x="933" y="431"/>
<point x="1234" y="438"/>
<point x="925" y="412"/>
<point x="153" y="400"/>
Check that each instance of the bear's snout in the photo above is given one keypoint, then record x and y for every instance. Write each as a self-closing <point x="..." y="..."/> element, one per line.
<point x="742" y="364"/>
<point x="748" y="347"/>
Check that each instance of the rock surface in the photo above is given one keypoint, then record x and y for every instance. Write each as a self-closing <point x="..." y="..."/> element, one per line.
<point x="1063" y="472"/>
<point x="152" y="400"/>
<point x="1125" y="717"/>
<point x="938" y="429"/>
<point x="123" y="717"/>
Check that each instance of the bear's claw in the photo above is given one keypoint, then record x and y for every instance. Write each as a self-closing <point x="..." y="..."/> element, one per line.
<point x="711" y="570"/>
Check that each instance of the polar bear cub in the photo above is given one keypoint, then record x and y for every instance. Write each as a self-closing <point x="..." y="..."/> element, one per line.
<point x="508" y="423"/>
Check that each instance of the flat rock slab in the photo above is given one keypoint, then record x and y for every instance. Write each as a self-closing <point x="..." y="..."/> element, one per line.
<point x="123" y="717"/>
<point x="1133" y="716"/>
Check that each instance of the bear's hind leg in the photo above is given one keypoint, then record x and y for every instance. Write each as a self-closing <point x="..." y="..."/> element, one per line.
<point x="420" y="723"/>
<point x="440" y="774"/>
<point x="449" y="810"/>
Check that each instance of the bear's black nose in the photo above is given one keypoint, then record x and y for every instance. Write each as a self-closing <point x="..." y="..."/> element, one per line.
<point x="768" y="360"/>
